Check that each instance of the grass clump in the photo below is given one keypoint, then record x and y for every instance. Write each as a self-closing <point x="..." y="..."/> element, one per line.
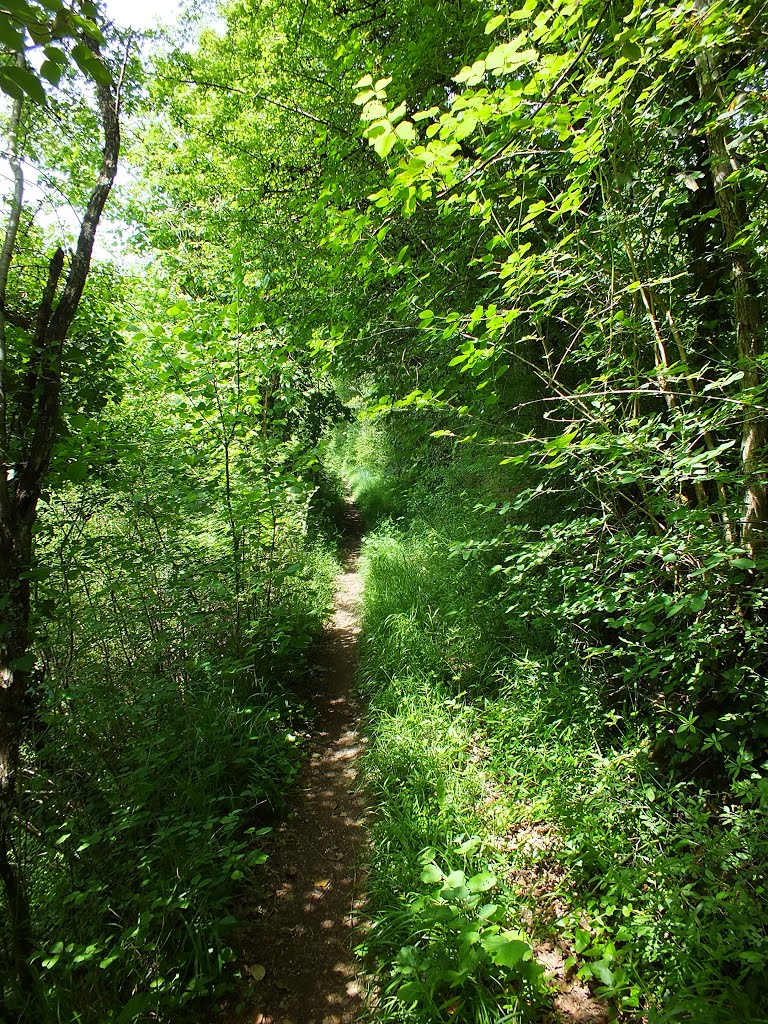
<point x="445" y="936"/>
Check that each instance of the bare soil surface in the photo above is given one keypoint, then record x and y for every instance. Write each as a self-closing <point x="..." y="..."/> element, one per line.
<point x="297" y="946"/>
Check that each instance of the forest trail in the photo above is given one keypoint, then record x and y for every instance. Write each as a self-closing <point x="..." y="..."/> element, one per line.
<point x="300" y="932"/>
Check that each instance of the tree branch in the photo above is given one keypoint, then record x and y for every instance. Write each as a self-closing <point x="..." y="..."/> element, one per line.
<point x="38" y="451"/>
<point x="205" y="84"/>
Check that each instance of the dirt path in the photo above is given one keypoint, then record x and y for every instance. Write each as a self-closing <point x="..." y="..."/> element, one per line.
<point x="301" y="932"/>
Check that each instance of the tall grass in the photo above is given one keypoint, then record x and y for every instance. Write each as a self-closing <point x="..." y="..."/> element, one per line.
<point x="493" y="750"/>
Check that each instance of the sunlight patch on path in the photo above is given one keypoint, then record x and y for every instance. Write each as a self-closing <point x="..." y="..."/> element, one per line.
<point x="302" y="931"/>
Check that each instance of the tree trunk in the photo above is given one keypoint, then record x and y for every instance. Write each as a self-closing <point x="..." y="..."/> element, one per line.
<point x="15" y="559"/>
<point x="747" y="309"/>
<point x="29" y="417"/>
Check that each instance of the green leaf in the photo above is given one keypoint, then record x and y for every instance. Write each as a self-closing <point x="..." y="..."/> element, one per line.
<point x="455" y="880"/>
<point x="377" y="129"/>
<point x="465" y="127"/>
<point x="384" y="141"/>
<point x="76" y="472"/>
<point x="469" y="845"/>
<point x="471" y="75"/>
<point x="582" y="940"/>
<point x="432" y="874"/>
<point x="482" y="882"/>
<point x="506" y="952"/>
<point x="602" y="971"/>
<point x="730" y="379"/>
<point x="51" y="72"/>
<point x="10" y="36"/>
<point x="410" y="992"/>
<point x="55" y="54"/>
<point x="494" y="23"/>
<point x="19" y="82"/>
<point x="524" y="12"/>
<point x="441" y="792"/>
<point x="405" y="131"/>
<point x="373" y="110"/>
<point x="506" y="58"/>
<point x="397" y="113"/>
<point x="91" y="65"/>
<point x="364" y="97"/>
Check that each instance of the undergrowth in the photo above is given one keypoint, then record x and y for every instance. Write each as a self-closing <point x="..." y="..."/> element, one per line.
<point x="168" y="737"/>
<point x="497" y="760"/>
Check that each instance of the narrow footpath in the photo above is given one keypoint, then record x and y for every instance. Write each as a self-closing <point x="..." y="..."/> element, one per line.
<point x="298" y="944"/>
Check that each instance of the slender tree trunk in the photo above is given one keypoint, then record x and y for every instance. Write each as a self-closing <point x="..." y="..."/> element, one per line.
<point x="15" y="560"/>
<point x="15" y="557"/>
<point x="747" y="309"/>
<point x="28" y="427"/>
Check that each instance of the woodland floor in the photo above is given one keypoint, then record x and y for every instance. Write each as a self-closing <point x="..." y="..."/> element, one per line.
<point x="296" y="946"/>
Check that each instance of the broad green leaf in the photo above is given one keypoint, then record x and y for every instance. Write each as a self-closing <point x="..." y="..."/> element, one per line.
<point x="405" y="131"/>
<point x="482" y="882"/>
<point x="397" y="113"/>
<point x="455" y="880"/>
<point x="582" y="940"/>
<point x="19" y="81"/>
<point x="432" y="873"/>
<point x="603" y="972"/>
<point x="506" y="58"/>
<point x="10" y="35"/>
<point x="373" y="110"/>
<point x="465" y="127"/>
<point x="51" y="72"/>
<point x="471" y="75"/>
<point x="506" y="952"/>
<point x="384" y="141"/>
<point x="524" y="12"/>
<point x="25" y="663"/>
<point x="410" y="992"/>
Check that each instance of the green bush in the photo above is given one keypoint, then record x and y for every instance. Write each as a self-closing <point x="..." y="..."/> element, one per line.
<point x="493" y="711"/>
